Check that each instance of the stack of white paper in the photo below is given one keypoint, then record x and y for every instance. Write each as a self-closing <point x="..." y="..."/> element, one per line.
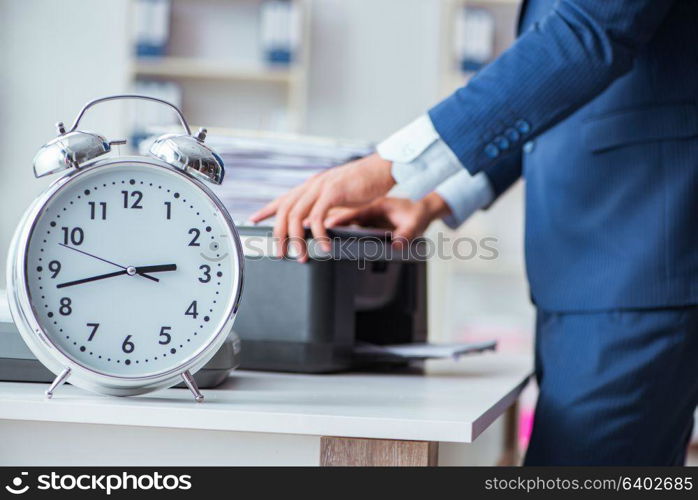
<point x="259" y="169"/>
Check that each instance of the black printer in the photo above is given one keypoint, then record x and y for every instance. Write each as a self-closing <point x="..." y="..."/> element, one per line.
<point x="311" y="317"/>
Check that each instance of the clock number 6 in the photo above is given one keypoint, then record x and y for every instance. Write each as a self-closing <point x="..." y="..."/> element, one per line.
<point x="128" y="346"/>
<point x="167" y="336"/>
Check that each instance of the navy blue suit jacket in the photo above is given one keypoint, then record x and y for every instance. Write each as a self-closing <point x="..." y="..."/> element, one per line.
<point x="597" y="101"/>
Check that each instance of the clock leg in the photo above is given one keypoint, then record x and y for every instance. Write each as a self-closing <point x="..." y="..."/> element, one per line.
<point x="57" y="382"/>
<point x="191" y="383"/>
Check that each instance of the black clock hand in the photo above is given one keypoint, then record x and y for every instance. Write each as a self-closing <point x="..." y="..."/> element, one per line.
<point x="92" y="278"/>
<point x="105" y="260"/>
<point x="156" y="269"/>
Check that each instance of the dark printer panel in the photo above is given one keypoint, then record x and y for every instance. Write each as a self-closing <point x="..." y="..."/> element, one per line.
<point x="296" y="317"/>
<point x="400" y="315"/>
<point x="309" y="317"/>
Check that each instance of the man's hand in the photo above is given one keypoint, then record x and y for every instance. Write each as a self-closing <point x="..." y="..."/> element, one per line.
<point x="355" y="183"/>
<point x="407" y="219"/>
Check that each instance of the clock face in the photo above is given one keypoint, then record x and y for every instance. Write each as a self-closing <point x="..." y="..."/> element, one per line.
<point x="131" y="269"/>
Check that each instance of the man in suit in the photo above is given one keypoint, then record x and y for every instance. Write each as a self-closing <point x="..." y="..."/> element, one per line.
<point x="596" y="106"/>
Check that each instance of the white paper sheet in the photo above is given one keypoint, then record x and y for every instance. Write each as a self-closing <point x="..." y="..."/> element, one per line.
<point x="419" y="351"/>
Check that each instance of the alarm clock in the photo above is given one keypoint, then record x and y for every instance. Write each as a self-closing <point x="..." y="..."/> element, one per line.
<point x="125" y="274"/>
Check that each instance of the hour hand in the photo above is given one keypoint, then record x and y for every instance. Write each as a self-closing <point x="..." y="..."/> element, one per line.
<point x="156" y="269"/>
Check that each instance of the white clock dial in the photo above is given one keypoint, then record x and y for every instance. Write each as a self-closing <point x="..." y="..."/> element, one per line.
<point x="131" y="270"/>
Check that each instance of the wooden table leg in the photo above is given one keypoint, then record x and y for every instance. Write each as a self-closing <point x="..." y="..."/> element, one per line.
<point x="510" y="452"/>
<point x="340" y="451"/>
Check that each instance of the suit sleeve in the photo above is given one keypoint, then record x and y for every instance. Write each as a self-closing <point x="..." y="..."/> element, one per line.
<point x="503" y="174"/>
<point x="554" y="68"/>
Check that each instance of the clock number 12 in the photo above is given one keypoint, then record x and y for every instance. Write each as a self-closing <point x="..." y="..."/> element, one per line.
<point x="137" y="198"/>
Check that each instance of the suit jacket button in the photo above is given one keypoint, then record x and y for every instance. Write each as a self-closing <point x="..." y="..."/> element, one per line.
<point x="512" y="134"/>
<point x="492" y="151"/>
<point x="501" y="142"/>
<point x="523" y="126"/>
<point x="529" y="147"/>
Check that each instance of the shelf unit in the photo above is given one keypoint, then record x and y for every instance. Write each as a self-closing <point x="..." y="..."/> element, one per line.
<point x="505" y="13"/>
<point x="192" y="68"/>
<point x="223" y="78"/>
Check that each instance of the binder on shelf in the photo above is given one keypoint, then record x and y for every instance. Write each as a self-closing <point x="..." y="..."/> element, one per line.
<point x="152" y="25"/>
<point x="280" y="31"/>
<point x="474" y="38"/>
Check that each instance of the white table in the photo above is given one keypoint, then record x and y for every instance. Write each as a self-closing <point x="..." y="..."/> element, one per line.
<point x="259" y="418"/>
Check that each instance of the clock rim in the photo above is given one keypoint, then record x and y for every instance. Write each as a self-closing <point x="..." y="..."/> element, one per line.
<point x="48" y="352"/>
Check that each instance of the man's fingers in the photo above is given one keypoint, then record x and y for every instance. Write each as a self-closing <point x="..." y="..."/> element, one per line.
<point x="296" y="218"/>
<point x="287" y="204"/>
<point x="402" y="235"/>
<point x="280" y="231"/>
<point x="342" y="216"/>
<point x="317" y="221"/>
<point x="273" y="206"/>
<point x="296" y="236"/>
<point x="267" y="211"/>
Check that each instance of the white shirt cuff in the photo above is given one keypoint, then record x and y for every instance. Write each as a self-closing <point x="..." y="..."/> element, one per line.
<point x="409" y="142"/>
<point x="465" y="195"/>
<point x="421" y="160"/>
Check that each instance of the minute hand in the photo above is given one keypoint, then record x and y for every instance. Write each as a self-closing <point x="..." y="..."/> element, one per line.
<point x="91" y="278"/>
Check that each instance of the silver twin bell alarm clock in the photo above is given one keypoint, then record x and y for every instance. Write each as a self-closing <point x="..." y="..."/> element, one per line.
<point x="125" y="275"/>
